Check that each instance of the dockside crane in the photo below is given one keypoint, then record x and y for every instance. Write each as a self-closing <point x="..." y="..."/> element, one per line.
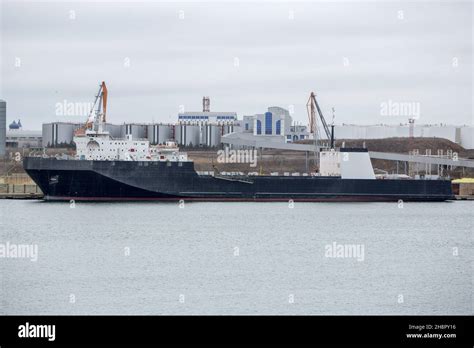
<point x="312" y="107"/>
<point x="101" y="102"/>
<point x="96" y="115"/>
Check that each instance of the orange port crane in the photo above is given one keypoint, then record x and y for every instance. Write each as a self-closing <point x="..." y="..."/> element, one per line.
<point x="101" y="111"/>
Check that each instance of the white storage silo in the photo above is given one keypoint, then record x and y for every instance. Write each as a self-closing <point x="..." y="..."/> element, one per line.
<point x="211" y="135"/>
<point x="160" y="133"/>
<point x="187" y="135"/>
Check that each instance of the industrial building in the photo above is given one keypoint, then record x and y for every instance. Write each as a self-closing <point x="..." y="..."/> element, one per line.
<point x="3" y="127"/>
<point x="275" y="123"/>
<point x="206" y="128"/>
<point x="19" y="138"/>
<point x="206" y="116"/>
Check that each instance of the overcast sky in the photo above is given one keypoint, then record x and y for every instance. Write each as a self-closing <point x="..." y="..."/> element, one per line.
<point x="354" y="55"/>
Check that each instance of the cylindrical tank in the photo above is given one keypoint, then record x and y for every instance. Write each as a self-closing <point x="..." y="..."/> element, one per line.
<point x="188" y="135"/>
<point x="138" y="131"/>
<point x="160" y="133"/>
<point x="211" y="135"/>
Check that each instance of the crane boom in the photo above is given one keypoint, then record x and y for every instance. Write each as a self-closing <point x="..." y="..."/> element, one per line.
<point x="312" y="105"/>
<point x="96" y="115"/>
<point x="104" y="101"/>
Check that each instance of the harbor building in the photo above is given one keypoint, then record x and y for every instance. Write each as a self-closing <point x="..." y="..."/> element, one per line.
<point x="275" y="123"/>
<point x="19" y="138"/>
<point x="206" y="116"/>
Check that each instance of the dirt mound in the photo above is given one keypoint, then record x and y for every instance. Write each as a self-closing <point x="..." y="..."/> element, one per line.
<point x="405" y="145"/>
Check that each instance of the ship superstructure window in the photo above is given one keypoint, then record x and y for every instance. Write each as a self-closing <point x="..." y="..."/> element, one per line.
<point x="268" y="123"/>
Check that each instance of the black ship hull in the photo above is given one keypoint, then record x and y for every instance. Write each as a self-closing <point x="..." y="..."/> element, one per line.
<point x="133" y="181"/>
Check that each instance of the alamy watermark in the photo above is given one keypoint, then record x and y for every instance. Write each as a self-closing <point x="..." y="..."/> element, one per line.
<point x="335" y="250"/>
<point x="395" y="108"/>
<point x="66" y="108"/>
<point x="13" y="251"/>
<point x="237" y="156"/>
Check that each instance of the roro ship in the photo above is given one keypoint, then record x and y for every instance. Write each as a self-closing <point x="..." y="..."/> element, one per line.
<point x="109" y="169"/>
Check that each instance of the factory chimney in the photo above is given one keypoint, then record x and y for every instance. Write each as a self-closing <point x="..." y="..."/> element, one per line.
<point x="206" y="104"/>
<point x="411" y="131"/>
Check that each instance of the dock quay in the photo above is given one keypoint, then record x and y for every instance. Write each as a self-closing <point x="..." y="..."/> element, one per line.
<point x="19" y="186"/>
<point x="15" y="191"/>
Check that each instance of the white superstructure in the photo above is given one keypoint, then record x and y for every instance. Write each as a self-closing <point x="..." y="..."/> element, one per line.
<point x="99" y="146"/>
<point x="348" y="164"/>
<point x="94" y="143"/>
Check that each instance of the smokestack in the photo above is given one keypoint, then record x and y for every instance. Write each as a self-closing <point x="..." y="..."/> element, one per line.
<point x="206" y="104"/>
<point x="411" y="122"/>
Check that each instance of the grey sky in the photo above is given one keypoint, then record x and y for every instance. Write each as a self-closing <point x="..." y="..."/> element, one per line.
<point x="176" y="61"/>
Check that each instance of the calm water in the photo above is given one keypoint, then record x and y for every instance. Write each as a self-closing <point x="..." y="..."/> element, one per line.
<point x="237" y="258"/>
